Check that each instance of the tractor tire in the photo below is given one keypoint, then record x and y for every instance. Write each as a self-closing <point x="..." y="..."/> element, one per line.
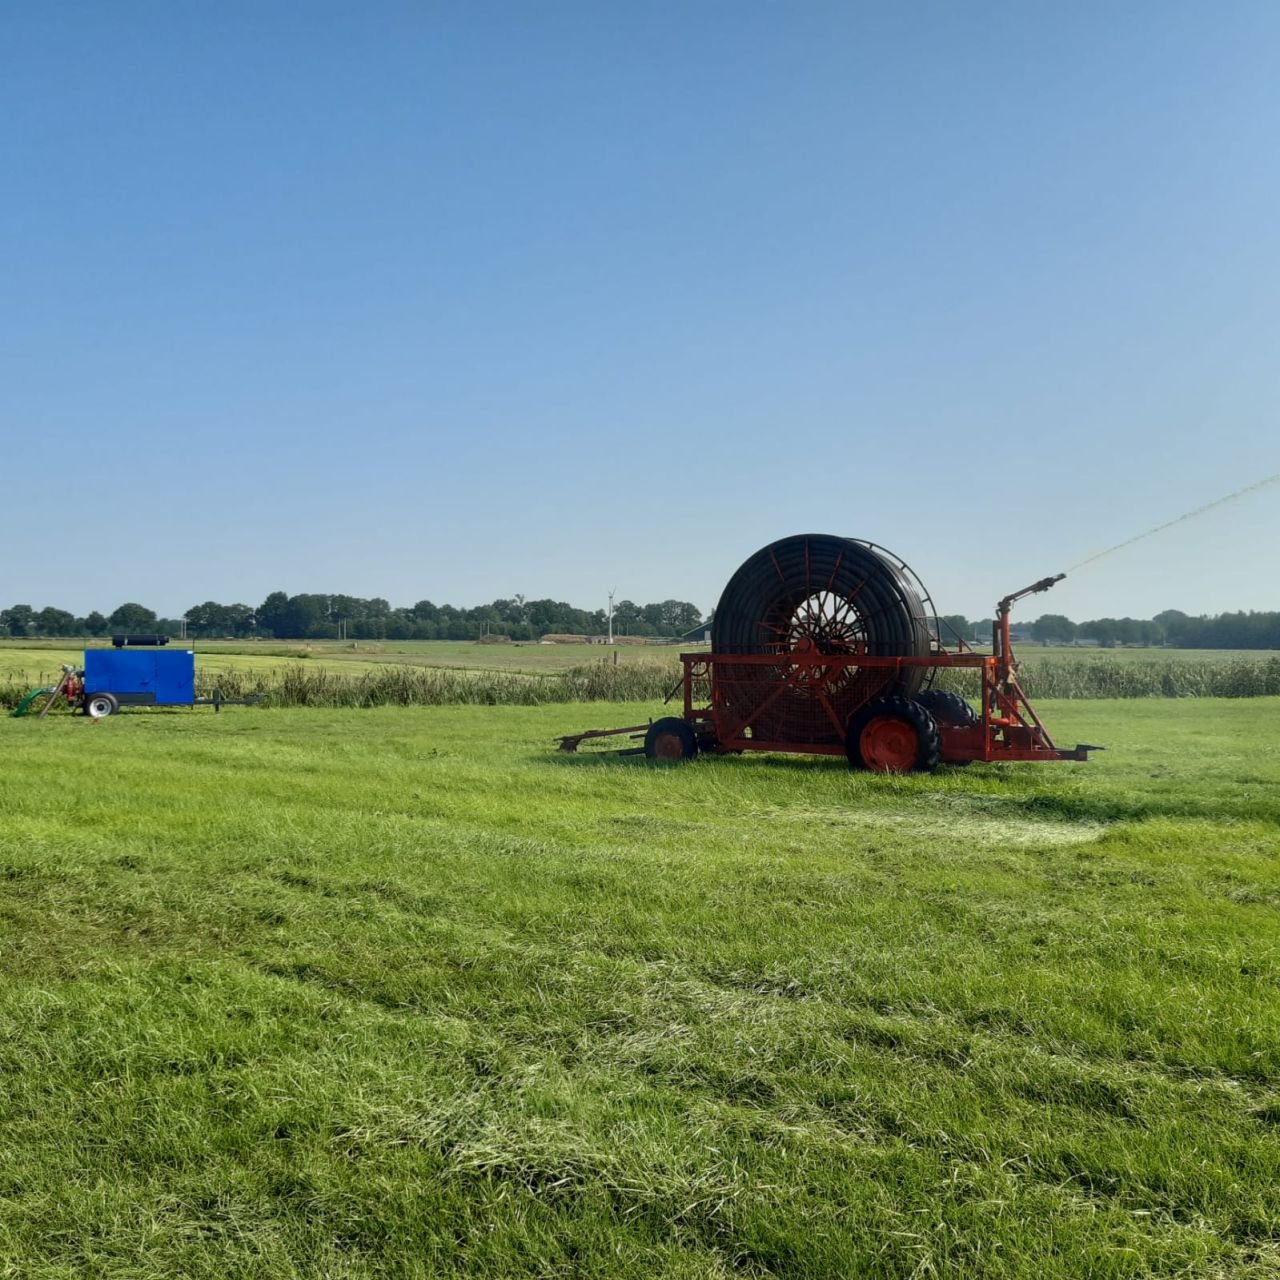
<point x="97" y="706"/>
<point x="893" y="735"/>
<point x="948" y="708"/>
<point x="670" y="739"/>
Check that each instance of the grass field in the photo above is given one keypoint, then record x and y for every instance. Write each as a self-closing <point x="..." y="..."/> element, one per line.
<point x="41" y="657"/>
<point x="230" y="655"/>
<point x="29" y="664"/>
<point x="434" y="672"/>
<point x="403" y="993"/>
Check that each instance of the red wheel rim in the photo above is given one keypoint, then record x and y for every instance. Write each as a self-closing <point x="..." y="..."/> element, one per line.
<point x="888" y="744"/>
<point x="668" y="746"/>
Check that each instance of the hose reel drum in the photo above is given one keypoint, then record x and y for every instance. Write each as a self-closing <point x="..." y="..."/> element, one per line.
<point x="818" y="593"/>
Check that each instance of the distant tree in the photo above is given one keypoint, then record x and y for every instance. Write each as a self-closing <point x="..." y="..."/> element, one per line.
<point x="1175" y="624"/>
<point x="241" y="619"/>
<point x="1054" y="628"/>
<point x="214" y="619"/>
<point x="307" y="615"/>
<point x="651" y="614"/>
<point x="273" y="613"/>
<point x="1106" y="631"/>
<point x="678" y="616"/>
<point x="294" y="617"/>
<point x="1140" y="631"/>
<point x="132" y="617"/>
<point x="55" y="622"/>
<point x="549" y="616"/>
<point x="399" y="626"/>
<point x="205" y="619"/>
<point x="628" y="619"/>
<point x="18" y="619"/>
<point x="1150" y="632"/>
<point x="95" y="624"/>
<point x="951" y="625"/>
<point x="345" y="608"/>
<point x="1237" y="631"/>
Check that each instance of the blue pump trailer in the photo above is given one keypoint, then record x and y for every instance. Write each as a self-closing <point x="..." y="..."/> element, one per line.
<point x="139" y="678"/>
<point x="137" y="672"/>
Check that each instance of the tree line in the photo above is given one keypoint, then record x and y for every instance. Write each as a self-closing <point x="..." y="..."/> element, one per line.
<point x="326" y="617"/>
<point x="1252" y="630"/>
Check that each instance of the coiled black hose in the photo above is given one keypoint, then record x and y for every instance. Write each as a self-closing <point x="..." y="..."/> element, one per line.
<point x="838" y="595"/>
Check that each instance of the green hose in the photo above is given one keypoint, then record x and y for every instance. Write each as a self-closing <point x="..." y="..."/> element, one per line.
<point x="24" y="706"/>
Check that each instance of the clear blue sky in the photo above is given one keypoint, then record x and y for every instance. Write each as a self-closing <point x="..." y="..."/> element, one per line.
<point x="456" y="301"/>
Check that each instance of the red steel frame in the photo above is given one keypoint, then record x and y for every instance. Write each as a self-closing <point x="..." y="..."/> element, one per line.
<point x="1008" y="727"/>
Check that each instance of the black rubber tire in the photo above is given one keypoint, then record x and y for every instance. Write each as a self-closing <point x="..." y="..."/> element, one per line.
<point x="839" y="595"/>
<point x="928" y="741"/>
<point x="98" y="706"/>
<point x="948" y="708"/>
<point x="670" y="739"/>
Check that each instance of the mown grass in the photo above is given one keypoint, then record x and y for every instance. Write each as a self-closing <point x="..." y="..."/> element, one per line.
<point x="307" y="993"/>
<point x="357" y="656"/>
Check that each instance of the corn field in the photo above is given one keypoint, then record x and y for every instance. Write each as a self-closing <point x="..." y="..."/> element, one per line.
<point x="1048" y="679"/>
<point x="296" y="685"/>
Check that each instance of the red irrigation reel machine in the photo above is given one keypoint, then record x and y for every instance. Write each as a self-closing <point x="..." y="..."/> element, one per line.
<point x="830" y="646"/>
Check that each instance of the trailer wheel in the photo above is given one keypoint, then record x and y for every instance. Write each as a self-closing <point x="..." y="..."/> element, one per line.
<point x="97" y="706"/>
<point x="670" y="739"/>
<point x="948" y="708"/>
<point x="893" y="735"/>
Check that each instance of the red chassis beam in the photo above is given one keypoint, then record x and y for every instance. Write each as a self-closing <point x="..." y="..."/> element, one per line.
<point x="1009" y="728"/>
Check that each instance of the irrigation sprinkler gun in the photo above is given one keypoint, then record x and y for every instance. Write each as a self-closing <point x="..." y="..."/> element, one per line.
<point x="823" y="645"/>
<point x="1001" y="645"/>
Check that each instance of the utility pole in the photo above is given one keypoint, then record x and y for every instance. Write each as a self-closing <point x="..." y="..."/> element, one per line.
<point x="612" y="593"/>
